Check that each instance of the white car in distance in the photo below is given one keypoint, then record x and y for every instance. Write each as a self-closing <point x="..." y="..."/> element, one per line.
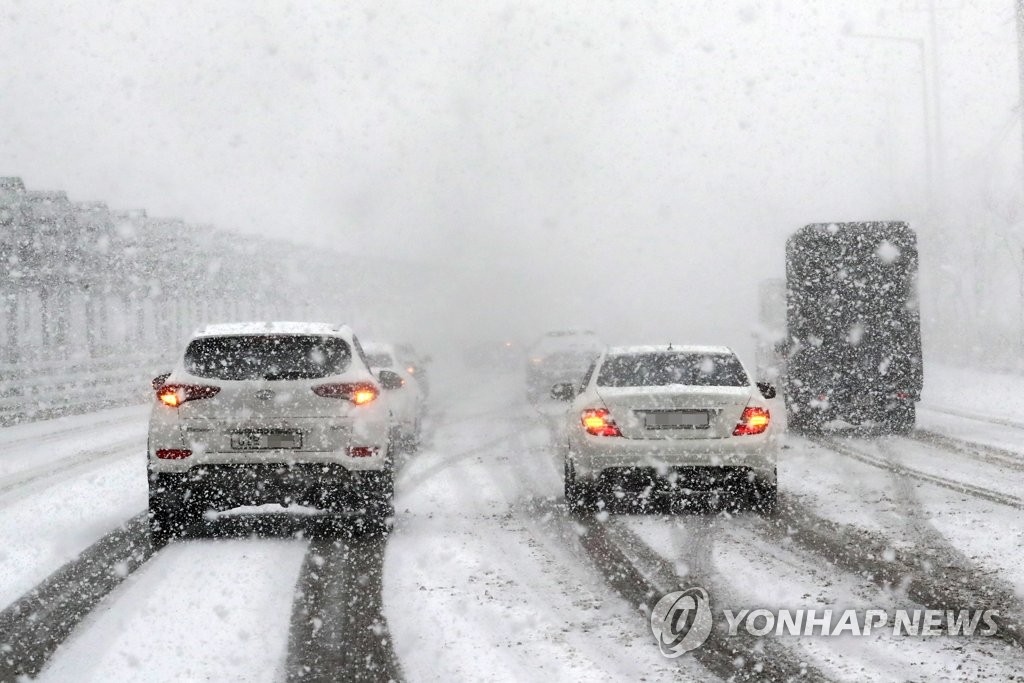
<point x="671" y="420"/>
<point x="407" y="404"/>
<point x="276" y="412"/>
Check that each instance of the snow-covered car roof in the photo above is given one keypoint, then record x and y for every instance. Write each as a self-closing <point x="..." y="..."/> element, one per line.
<point x="685" y="348"/>
<point x="378" y="347"/>
<point x="271" y="327"/>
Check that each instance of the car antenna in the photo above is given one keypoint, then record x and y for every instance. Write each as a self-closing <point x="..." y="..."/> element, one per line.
<point x="670" y="346"/>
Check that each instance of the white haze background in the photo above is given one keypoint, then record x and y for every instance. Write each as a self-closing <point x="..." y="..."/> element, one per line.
<point x="634" y="168"/>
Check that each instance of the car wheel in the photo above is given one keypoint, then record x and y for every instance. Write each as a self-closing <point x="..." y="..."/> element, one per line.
<point x="764" y="497"/>
<point x="379" y="510"/>
<point x="419" y="434"/>
<point x="171" y="515"/>
<point x="579" y="496"/>
<point x="900" y="419"/>
<point x="803" y="420"/>
<point x="412" y="439"/>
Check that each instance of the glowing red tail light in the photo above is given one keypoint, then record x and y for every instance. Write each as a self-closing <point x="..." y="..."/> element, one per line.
<point x="597" y="421"/>
<point x="359" y="393"/>
<point x="173" y="453"/>
<point x="753" y="421"/>
<point x="174" y="395"/>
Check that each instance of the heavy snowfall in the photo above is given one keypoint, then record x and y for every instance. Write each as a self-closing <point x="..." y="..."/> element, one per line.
<point x="512" y="341"/>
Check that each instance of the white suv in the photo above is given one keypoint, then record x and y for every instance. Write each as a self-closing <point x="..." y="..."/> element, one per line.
<point x="279" y="412"/>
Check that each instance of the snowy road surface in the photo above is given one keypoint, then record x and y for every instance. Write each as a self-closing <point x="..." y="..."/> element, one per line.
<point x="486" y="576"/>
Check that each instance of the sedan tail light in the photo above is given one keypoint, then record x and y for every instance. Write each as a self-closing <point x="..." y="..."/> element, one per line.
<point x="359" y="393"/>
<point x="598" y="421"/>
<point x="753" y="421"/>
<point x="174" y="395"/>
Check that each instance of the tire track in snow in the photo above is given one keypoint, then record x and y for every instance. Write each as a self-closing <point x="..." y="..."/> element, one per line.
<point x="992" y="455"/>
<point x="34" y="626"/>
<point x="553" y="548"/>
<point x="338" y="630"/>
<point x="409" y="479"/>
<point x="904" y="472"/>
<point x="64" y="432"/>
<point x="17" y="484"/>
<point x="976" y="417"/>
<point x="641" y="577"/>
<point x="952" y="562"/>
<point x="934" y="574"/>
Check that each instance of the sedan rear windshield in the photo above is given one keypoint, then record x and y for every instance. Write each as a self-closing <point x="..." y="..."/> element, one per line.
<point x="666" y="368"/>
<point x="269" y="357"/>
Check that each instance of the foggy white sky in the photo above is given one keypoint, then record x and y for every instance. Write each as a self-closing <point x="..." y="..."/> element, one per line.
<point x="632" y="167"/>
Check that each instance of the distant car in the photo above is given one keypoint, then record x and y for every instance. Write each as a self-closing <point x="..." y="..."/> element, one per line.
<point x="560" y="356"/>
<point x="407" y="402"/>
<point x="275" y="412"/>
<point x="668" y="420"/>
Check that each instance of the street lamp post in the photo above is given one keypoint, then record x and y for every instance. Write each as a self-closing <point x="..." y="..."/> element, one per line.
<point x="1020" y="61"/>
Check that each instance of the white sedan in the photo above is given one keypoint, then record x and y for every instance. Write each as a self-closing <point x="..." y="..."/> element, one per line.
<point x="675" y="419"/>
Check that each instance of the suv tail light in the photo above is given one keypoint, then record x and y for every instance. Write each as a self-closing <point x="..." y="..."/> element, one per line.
<point x="359" y="393"/>
<point x="597" y="421"/>
<point x="753" y="421"/>
<point x="174" y="395"/>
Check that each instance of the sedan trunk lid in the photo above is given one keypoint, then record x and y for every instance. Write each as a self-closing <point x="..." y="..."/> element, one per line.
<point x="676" y="412"/>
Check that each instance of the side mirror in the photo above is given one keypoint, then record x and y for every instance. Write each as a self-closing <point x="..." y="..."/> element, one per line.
<point x="159" y="380"/>
<point x="563" y="391"/>
<point x="390" y="380"/>
<point x="767" y="390"/>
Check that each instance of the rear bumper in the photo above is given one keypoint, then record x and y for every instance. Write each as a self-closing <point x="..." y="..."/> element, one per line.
<point x="226" y="486"/>
<point x="593" y="455"/>
<point x="857" y="410"/>
<point x="272" y="459"/>
<point x="685" y="479"/>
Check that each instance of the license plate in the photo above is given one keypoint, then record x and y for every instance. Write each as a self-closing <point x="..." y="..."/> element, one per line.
<point x="677" y="419"/>
<point x="256" y="441"/>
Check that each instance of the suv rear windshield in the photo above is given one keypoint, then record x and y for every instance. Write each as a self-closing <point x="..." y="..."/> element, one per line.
<point x="270" y="357"/>
<point x="665" y="368"/>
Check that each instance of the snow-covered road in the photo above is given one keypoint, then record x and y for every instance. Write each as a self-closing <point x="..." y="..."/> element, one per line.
<point x="486" y="577"/>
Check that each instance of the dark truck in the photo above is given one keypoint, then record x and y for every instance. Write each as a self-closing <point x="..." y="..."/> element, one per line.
<point x="853" y="326"/>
